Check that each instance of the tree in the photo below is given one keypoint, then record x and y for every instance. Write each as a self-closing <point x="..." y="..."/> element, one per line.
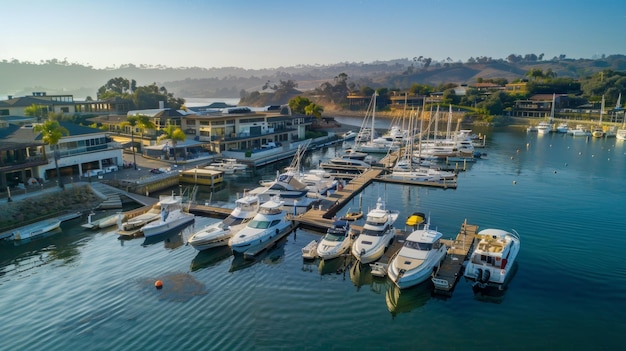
<point x="35" y="111"/>
<point x="51" y="132"/>
<point x="299" y="104"/>
<point x="314" y="110"/>
<point x="137" y="121"/>
<point x="173" y="133"/>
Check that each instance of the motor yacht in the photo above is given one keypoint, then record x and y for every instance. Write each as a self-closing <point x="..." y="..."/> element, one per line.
<point x="336" y="241"/>
<point x="172" y="216"/>
<point x="219" y="233"/>
<point x="269" y="222"/>
<point x="421" y="254"/>
<point x="377" y="233"/>
<point x="492" y="259"/>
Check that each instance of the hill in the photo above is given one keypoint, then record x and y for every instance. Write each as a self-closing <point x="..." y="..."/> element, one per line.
<point x="61" y="77"/>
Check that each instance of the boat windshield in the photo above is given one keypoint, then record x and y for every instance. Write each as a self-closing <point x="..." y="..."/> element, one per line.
<point x="372" y="232"/>
<point x="418" y="246"/>
<point x="334" y="237"/>
<point x="255" y="223"/>
<point x="230" y="220"/>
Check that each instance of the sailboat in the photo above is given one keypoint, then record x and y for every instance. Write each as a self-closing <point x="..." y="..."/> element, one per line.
<point x="374" y="144"/>
<point x="621" y="132"/>
<point x="598" y="132"/>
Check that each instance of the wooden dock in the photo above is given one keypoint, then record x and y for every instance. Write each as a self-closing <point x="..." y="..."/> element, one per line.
<point x="210" y="211"/>
<point x="451" y="268"/>
<point x="320" y="218"/>
<point x="446" y="184"/>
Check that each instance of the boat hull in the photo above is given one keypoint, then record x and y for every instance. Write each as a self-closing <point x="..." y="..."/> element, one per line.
<point x="211" y="236"/>
<point x="254" y="239"/>
<point x="36" y="229"/>
<point x="153" y="228"/>
<point x="417" y="275"/>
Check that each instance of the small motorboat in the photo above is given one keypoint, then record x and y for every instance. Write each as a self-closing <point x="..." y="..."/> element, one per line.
<point x="336" y="241"/>
<point x="309" y="252"/>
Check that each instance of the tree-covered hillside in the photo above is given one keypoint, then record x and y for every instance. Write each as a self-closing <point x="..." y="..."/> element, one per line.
<point x="62" y="77"/>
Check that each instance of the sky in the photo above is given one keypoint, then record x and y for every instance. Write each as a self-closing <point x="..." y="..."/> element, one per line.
<point x="255" y="34"/>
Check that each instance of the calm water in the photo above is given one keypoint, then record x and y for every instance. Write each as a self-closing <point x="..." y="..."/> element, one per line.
<point x="565" y="196"/>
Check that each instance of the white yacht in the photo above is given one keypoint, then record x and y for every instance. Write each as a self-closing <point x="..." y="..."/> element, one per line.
<point x="219" y="233"/>
<point x="377" y="234"/>
<point x="172" y="216"/>
<point x="292" y="192"/>
<point x="228" y="166"/>
<point x="421" y="253"/>
<point x="493" y="257"/>
<point x="544" y="128"/>
<point x="336" y="241"/>
<point x="580" y="130"/>
<point x="269" y="222"/>
<point x="562" y="128"/>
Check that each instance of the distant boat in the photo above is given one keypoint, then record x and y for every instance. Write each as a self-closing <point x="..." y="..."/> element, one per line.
<point x="228" y="166"/>
<point x="598" y="131"/>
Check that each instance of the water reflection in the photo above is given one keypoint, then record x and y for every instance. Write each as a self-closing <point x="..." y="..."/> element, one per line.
<point x="210" y="257"/>
<point x="494" y="294"/>
<point x="405" y="300"/>
<point x="171" y="239"/>
<point x="337" y="265"/>
<point x="62" y="244"/>
<point x="270" y="256"/>
<point x="360" y="274"/>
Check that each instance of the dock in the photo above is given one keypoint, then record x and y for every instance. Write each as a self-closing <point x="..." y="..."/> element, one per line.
<point x="451" y="267"/>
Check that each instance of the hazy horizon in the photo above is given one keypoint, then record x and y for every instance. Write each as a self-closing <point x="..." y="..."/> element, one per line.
<point x="268" y="35"/>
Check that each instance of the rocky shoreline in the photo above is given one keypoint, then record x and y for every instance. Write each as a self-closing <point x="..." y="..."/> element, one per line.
<point x="40" y="206"/>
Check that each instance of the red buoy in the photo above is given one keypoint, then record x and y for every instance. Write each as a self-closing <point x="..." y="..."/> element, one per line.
<point x="158" y="284"/>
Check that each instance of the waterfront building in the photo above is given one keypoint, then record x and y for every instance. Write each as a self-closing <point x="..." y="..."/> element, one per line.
<point x="26" y="160"/>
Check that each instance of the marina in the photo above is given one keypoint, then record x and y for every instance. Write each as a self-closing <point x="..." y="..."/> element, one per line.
<point x="276" y="284"/>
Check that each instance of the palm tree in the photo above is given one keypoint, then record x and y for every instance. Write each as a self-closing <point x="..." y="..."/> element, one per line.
<point x="314" y="110"/>
<point x="137" y="121"/>
<point x="51" y="132"/>
<point x="173" y="133"/>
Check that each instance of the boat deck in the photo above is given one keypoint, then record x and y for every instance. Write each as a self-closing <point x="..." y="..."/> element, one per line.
<point x="452" y="266"/>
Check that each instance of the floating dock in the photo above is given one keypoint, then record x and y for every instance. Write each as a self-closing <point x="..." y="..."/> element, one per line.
<point x="451" y="268"/>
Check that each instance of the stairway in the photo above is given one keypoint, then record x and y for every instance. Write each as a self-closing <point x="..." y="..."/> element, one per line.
<point x="110" y="196"/>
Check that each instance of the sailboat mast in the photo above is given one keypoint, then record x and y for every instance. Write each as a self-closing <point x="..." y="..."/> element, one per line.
<point x="373" y="117"/>
<point x="601" y="110"/>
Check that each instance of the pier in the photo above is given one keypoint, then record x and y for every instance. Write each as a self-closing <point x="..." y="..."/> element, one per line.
<point x="451" y="267"/>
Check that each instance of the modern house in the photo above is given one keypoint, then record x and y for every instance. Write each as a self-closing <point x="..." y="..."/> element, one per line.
<point x="26" y="159"/>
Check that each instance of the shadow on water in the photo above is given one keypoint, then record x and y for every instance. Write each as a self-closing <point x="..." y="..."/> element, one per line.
<point x="177" y="286"/>
<point x="337" y="265"/>
<point x="171" y="239"/>
<point x="210" y="257"/>
<point x="494" y="294"/>
<point x="270" y="256"/>
<point x="405" y="300"/>
<point x="360" y="274"/>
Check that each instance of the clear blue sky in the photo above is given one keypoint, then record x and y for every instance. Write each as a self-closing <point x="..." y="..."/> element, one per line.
<point x="275" y="33"/>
